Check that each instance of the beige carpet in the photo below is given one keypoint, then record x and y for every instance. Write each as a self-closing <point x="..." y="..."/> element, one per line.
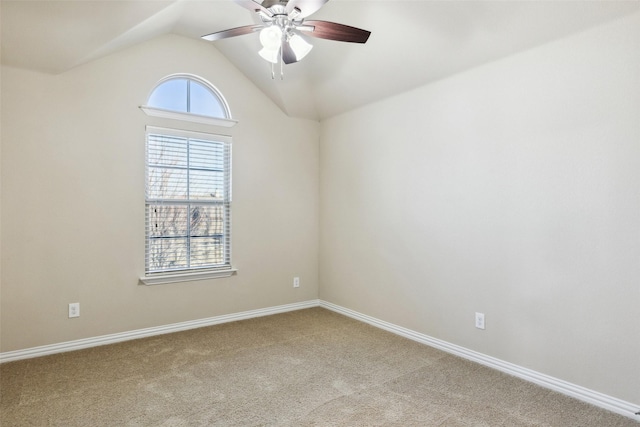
<point x="306" y="368"/>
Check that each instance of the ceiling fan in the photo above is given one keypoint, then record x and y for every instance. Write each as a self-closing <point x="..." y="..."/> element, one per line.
<point x="283" y="29"/>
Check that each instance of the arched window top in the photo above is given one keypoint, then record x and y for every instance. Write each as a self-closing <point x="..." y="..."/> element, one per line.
<point x="188" y="97"/>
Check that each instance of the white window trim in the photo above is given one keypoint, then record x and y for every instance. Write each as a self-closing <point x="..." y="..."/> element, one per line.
<point x="188" y="117"/>
<point x="163" y="278"/>
<point x="181" y="133"/>
<point x="191" y="275"/>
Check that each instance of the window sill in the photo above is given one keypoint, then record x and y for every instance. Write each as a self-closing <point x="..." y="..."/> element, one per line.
<point x="161" y="279"/>
<point x="189" y="117"/>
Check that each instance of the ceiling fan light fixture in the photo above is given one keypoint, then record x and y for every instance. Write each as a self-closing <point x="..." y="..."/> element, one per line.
<point x="271" y="37"/>
<point x="281" y="24"/>
<point x="269" y="55"/>
<point x="300" y="46"/>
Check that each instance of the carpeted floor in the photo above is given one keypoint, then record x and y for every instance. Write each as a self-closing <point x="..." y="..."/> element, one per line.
<point x="305" y="368"/>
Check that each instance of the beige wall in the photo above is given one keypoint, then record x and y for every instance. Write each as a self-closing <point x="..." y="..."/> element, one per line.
<point x="512" y="189"/>
<point x="73" y="199"/>
<point x="0" y="204"/>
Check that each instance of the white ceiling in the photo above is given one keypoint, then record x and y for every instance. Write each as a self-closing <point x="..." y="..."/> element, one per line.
<point x="412" y="42"/>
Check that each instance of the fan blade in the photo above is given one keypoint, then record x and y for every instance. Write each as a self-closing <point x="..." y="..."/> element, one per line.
<point x="288" y="55"/>
<point x="306" y="7"/>
<point x="334" y="31"/>
<point x="239" y="31"/>
<point x="253" y="6"/>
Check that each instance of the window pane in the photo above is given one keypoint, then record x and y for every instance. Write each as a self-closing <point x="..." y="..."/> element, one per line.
<point x="206" y="185"/>
<point x="170" y="95"/>
<point x="167" y="220"/>
<point x="167" y="254"/>
<point x="207" y="221"/>
<point x="207" y="251"/>
<point x="206" y="178"/>
<point x="166" y="150"/>
<point x="166" y="183"/>
<point x="206" y="154"/>
<point x="204" y="102"/>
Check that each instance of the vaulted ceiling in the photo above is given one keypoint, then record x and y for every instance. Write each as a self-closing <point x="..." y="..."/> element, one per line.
<point x="412" y="42"/>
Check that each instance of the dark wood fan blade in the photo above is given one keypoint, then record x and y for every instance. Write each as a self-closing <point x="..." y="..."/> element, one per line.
<point x="253" y="6"/>
<point x="239" y="31"/>
<point x="288" y="55"/>
<point x="306" y="7"/>
<point x="334" y="31"/>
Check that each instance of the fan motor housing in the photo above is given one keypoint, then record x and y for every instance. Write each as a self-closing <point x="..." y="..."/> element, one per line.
<point x="269" y="3"/>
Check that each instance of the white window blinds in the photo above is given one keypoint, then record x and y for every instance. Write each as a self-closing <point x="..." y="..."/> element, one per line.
<point x="188" y="201"/>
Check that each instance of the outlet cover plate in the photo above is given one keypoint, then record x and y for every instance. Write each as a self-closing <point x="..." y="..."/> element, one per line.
<point x="480" y="320"/>
<point x="74" y="309"/>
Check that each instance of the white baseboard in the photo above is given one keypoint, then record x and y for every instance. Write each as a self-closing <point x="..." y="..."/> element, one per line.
<point x="590" y="396"/>
<point x="149" y="332"/>
<point x="581" y="393"/>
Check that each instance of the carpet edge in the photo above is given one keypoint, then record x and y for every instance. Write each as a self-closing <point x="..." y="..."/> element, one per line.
<point x="79" y="344"/>
<point x="584" y="394"/>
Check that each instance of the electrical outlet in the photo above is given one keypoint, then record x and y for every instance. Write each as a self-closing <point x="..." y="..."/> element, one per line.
<point x="74" y="309"/>
<point x="296" y="282"/>
<point x="480" y="320"/>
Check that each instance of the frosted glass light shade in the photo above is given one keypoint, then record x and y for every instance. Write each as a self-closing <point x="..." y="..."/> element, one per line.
<point x="271" y="37"/>
<point x="300" y="46"/>
<point x="269" y="55"/>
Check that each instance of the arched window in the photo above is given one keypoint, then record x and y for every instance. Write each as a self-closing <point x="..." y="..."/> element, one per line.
<point x="188" y="184"/>
<point x="189" y="98"/>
